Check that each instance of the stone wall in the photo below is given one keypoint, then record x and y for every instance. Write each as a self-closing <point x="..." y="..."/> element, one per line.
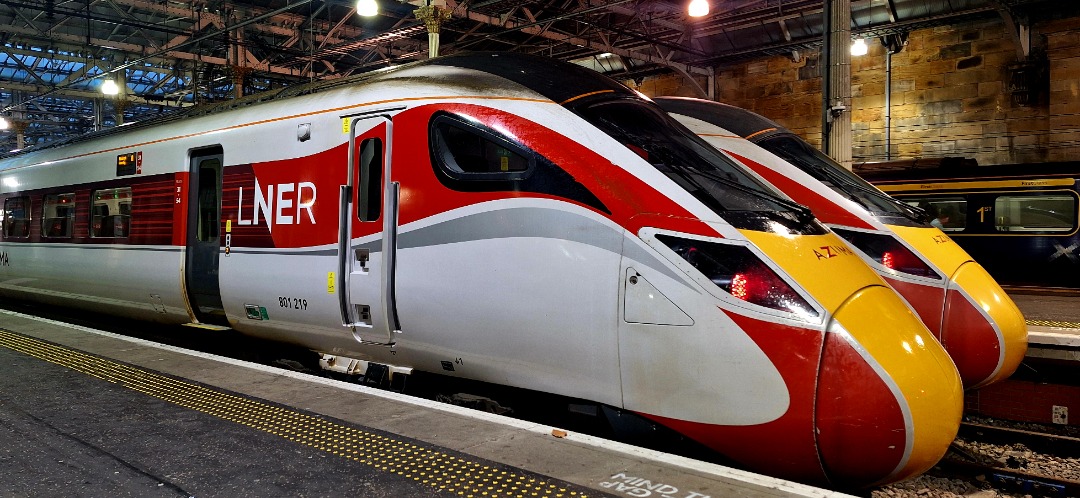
<point x="950" y="95"/>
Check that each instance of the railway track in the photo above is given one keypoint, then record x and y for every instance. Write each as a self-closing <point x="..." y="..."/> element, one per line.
<point x="1014" y="460"/>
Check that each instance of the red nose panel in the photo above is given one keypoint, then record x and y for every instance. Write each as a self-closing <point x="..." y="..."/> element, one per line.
<point x="784" y="447"/>
<point x="862" y="435"/>
<point x="927" y="301"/>
<point x="970" y="340"/>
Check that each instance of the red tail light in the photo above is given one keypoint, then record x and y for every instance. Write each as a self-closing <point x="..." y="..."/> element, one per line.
<point x="737" y="271"/>
<point x="887" y="261"/>
<point x="739" y="287"/>
<point x="888" y="252"/>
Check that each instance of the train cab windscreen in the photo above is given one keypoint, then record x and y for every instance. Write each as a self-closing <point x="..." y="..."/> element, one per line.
<point x="695" y="166"/>
<point x="820" y="166"/>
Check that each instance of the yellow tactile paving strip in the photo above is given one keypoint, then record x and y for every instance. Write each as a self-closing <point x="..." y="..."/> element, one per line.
<point x="1054" y="323"/>
<point x="429" y="467"/>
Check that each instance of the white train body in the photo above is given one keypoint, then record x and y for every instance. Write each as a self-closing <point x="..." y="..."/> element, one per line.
<point x="566" y="266"/>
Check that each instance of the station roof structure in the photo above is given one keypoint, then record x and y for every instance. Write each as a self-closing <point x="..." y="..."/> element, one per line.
<point x="55" y="54"/>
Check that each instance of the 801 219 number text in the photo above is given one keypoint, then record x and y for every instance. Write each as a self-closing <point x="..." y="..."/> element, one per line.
<point x="295" y="303"/>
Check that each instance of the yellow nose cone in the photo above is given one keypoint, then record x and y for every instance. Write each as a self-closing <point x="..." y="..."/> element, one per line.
<point x="983" y="330"/>
<point x="981" y="327"/>
<point x="889" y="398"/>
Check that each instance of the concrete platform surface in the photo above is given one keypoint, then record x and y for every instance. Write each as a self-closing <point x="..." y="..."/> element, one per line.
<point x="89" y="413"/>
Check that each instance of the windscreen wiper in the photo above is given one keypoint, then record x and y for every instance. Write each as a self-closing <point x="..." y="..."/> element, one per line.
<point x="800" y="210"/>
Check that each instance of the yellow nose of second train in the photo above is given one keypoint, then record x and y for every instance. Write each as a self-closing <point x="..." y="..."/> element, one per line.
<point x="978" y="314"/>
<point x="981" y="327"/>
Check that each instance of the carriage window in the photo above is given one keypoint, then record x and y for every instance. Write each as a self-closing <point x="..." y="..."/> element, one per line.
<point x="17" y="217"/>
<point x="58" y="215"/>
<point x="110" y="212"/>
<point x="467" y="152"/>
<point x="1035" y="213"/>
<point x="947" y="213"/>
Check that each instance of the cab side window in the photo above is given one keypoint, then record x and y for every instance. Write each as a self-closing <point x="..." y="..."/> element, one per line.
<point x="17" y="217"/>
<point x="468" y="152"/>
<point x="58" y="215"/>
<point x="110" y="212"/>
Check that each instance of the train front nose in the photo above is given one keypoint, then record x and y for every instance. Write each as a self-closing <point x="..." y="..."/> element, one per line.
<point x="978" y="324"/>
<point x="981" y="327"/>
<point x="889" y="399"/>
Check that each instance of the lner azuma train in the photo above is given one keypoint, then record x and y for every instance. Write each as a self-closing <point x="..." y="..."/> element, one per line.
<point x="1019" y="221"/>
<point x="979" y="325"/>
<point x="502" y="218"/>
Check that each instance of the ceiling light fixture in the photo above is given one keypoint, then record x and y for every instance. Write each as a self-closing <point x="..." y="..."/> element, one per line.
<point x="698" y="8"/>
<point x="109" y="87"/>
<point x="859" y="47"/>
<point x="367" y="8"/>
<point x="4" y="123"/>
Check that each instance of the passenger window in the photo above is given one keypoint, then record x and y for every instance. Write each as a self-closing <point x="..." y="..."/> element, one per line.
<point x="1035" y="213"/>
<point x="947" y="213"/>
<point x="17" y="217"/>
<point x="369" y="195"/>
<point x="58" y="215"/>
<point x="110" y="212"/>
<point x="468" y="152"/>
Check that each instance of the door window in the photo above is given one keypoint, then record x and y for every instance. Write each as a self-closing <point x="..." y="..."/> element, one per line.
<point x="207" y="217"/>
<point x="369" y="195"/>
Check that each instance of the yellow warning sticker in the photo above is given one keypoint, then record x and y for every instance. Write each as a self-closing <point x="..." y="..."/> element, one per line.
<point x="330" y="283"/>
<point x="228" y="226"/>
<point x="345" y="125"/>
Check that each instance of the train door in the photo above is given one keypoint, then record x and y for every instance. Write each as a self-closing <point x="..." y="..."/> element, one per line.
<point x="369" y="205"/>
<point x="203" y="238"/>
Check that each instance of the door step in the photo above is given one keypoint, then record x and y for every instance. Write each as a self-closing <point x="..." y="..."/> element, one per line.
<point x="206" y="326"/>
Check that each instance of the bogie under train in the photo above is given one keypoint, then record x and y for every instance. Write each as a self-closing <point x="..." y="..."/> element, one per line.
<point x="507" y="219"/>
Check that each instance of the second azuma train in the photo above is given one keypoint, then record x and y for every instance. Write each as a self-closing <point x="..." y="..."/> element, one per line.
<point x="506" y="219"/>
<point x="978" y="324"/>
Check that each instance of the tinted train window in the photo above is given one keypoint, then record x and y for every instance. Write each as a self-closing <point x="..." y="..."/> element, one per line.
<point x="17" y="217"/>
<point x="947" y="213"/>
<point x="467" y="152"/>
<point x="682" y="156"/>
<point x="209" y="201"/>
<point x="369" y="195"/>
<point x="58" y="215"/>
<point x="826" y="170"/>
<point x="1035" y="213"/>
<point x="110" y="212"/>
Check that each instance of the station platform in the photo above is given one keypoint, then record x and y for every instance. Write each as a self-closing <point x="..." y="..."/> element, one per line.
<point x="92" y="413"/>
<point x="1053" y="324"/>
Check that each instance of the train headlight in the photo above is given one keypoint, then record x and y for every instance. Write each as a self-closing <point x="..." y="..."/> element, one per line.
<point x="888" y="252"/>
<point x="739" y="272"/>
